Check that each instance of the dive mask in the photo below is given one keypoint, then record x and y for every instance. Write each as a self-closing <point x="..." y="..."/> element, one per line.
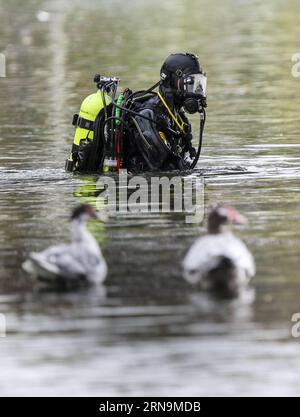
<point x="193" y="87"/>
<point x="195" y="84"/>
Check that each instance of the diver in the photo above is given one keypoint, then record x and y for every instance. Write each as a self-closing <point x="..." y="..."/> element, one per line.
<point x="144" y="130"/>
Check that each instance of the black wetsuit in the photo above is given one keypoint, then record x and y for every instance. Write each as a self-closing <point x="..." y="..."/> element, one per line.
<point x="152" y="146"/>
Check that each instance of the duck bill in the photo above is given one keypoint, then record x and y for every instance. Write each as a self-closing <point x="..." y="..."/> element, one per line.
<point x="238" y="218"/>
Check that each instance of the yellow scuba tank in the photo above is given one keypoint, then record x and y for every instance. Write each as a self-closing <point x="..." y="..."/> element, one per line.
<point x="85" y="123"/>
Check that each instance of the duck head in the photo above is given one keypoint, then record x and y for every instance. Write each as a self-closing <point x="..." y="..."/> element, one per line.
<point x="221" y="215"/>
<point x="79" y="217"/>
<point x="85" y="212"/>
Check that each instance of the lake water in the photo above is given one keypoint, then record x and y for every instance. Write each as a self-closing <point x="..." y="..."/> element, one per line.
<point x="147" y="332"/>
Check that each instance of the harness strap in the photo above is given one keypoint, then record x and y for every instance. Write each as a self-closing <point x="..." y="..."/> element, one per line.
<point x="82" y="122"/>
<point x="85" y="124"/>
<point x="180" y="123"/>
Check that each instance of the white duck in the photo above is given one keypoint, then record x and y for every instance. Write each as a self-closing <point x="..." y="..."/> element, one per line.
<point x="220" y="261"/>
<point x="80" y="262"/>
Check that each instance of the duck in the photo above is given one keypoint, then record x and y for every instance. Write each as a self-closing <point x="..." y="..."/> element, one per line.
<point x="79" y="263"/>
<point x="220" y="261"/>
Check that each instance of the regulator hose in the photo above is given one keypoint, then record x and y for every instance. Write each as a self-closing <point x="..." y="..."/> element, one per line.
<point x="202" y="124"/>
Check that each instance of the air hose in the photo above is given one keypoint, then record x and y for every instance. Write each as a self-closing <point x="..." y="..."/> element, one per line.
<point x="202" y="124"/>
<point x="118" y="110"/>
<point x="119" y="132"/>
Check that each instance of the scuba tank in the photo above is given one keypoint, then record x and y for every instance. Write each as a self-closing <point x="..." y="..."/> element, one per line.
<point x="90" y="145"/>
<point x="86" y="127"/>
